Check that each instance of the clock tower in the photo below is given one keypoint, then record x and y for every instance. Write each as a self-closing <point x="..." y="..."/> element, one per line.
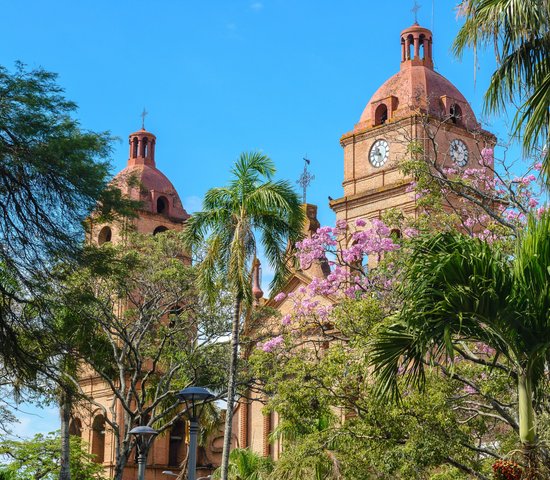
<point x="417" y="106"/>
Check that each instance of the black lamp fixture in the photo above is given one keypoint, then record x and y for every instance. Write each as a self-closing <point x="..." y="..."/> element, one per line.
<point x="194" y="398"/>
<point x="143" y="435"/>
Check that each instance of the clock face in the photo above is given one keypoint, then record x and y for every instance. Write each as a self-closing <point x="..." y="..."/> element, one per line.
<point x="459" y="152"/>
<point x="379" y="153"/>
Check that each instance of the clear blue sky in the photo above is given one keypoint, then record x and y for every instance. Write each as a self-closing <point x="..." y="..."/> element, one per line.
<point x="219" y="77"/>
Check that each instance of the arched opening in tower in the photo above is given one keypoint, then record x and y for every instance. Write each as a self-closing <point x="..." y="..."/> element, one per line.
<point x="144" y="148"/>
<point x="105" y="235"/>
<point x="162" y="205"/>
<point x="159" y="229"/>
<point x="381" y="114"/>
<point x="98" y="439"/>
<point x="455" y="113"/>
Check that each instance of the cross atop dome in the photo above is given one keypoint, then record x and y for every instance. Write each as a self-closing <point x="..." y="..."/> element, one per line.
<point x="415" y="9"/>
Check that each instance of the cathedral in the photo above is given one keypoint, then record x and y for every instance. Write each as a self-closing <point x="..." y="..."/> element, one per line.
<point x="402" y="111"/>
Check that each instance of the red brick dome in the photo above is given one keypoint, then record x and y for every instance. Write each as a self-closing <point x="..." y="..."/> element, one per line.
<point x="417" y="88"/>
<point x="142" y="181"/>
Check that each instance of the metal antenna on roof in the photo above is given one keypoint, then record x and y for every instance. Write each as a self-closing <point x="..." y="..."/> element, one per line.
<point x="305" y="178"/>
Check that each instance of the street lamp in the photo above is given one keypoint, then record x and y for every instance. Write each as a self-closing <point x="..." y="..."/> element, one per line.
<point x="194" y="399"/>
<point x="143" y="436"/>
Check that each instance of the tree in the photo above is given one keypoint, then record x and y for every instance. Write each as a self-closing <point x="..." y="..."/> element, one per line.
<point x="53" y="174"/>
<point x="245" y="464"/>
<point x="137" y="325"/>
<point x="331" y="423"/>
<point x="252" y="204"/>
<point x="39" y="458"/>
<point x="459" y="290"/>
<point x="520" y="34"/>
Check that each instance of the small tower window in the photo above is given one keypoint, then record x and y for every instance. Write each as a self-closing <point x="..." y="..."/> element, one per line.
<point x="135" y="147"/>
<point x="455" y="113"/>
<point x="410" y="41"/>
<point x="159" y="229"/>
<point x="162" y="205"/>
<point x="381" y="114"/>
<point x="422" y="52"/>
<point x="105" y="235"/>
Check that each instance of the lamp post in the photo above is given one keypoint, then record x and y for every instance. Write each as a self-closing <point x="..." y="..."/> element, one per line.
<point x="194" y="399"/>
<point x="143" y="436"/>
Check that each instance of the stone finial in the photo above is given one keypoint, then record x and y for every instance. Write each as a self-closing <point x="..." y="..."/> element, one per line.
<point x="256" y="288"/>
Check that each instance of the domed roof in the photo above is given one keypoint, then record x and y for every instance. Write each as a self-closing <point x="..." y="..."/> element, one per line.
<point x="417" y="88"/>
<point x="142" y="181"/>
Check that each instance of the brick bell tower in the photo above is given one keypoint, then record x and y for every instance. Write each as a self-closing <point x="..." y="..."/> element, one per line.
<point x="416" y="104"/>
<point x="160" y="210"/>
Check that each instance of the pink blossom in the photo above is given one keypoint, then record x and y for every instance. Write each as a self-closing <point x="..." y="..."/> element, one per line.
<point x="280" y="296"/>
<point x="487" y="154"/>
<point x="271" y="344"/>
<point x="538" y="166"/>
<point x="469" y="389"/>
<point x="286" y="319"/>
<point x="360" y="222"/>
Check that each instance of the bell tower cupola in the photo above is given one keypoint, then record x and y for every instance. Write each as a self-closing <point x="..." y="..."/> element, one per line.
<point x="142" y="148"/>
<point x="416" y="47"/>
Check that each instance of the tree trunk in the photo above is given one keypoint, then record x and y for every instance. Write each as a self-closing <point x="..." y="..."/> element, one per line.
<point x="121" y="462"/>
<point x="527" y="427"/>
<point x="65" y="404"/>
<point x="231" y="387"/>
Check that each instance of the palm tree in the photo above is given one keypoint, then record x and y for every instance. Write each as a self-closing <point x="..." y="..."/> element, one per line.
<point x="245" y="464"/>
<point x="459" y="289"/>
<point x="520" y="34"/>
<point x="232" y="217"/>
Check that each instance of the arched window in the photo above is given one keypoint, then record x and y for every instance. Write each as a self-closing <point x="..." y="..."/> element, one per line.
<point x="105" y="235"/>
<point x="176" y="447"/>
<point x="422" y="51"/>
<point x="159" y="229"/>
<point x="135" y="147"/>
<point x="162" y="205"/>
<point x="75" y="427"/>
<point x="144" y="147"/>
<point x="410" y="52"/>
<point x="381" y="114"/>
<point x="98" y="439"/>
<point x="455" y="113"/>
<point x="395" y="233"/>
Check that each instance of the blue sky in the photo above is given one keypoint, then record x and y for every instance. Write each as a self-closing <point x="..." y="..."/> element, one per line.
<point x="220" y="77"/>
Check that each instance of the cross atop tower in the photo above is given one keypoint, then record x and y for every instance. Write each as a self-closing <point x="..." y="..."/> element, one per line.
<point x="305" y="178"/>
<point x="143" y="115"/>
<point x="415" y="9"/>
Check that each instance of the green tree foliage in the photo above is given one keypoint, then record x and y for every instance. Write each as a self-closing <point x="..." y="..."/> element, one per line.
<point x="133" y="315"/>
<point x="38" y="458"/>
<point x="333" y="425"/>
<point x="53" y="173"/>
<point x="253" y="204"/>
<point x="244" y="464"/>
<point x="519" y="30"/>
<point x="459" y="290"/>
